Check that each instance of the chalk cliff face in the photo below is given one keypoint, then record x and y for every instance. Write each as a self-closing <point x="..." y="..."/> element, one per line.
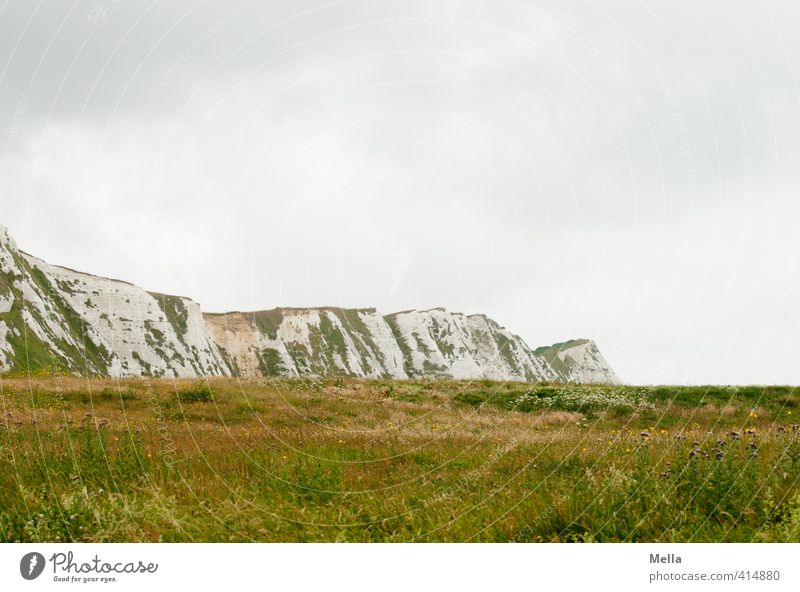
<point x="579" y="361"/>
<point x="53" y="317"/>
<point x="428" y="343"/>
<point x="308" y="342"/>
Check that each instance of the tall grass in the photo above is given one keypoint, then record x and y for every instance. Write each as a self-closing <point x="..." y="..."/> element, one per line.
<point x="346" y="460"/>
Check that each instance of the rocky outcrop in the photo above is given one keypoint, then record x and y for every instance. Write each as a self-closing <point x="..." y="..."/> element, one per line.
<point x="417" y="343"/>
<point x="53" y="317"/>
<point x="308" y="342"/>
<point x="580" y="361"/>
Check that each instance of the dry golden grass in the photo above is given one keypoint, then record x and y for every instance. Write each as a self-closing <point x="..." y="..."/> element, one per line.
<point x="147" y="459"/>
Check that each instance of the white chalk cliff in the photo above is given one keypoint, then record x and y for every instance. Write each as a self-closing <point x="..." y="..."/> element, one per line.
<point x="53" y="317"/>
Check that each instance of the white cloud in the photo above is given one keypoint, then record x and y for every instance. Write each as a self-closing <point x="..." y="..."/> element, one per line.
<point x="618" y="172"/>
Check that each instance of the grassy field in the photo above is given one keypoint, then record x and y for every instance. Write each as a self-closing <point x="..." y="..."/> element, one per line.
<point x="350" y="460"/>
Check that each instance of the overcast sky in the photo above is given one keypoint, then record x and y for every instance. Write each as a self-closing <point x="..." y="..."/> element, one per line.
<point x="623" y="171"/>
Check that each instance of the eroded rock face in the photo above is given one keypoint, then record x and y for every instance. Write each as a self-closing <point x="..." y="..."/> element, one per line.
<point x="418" y="343"/>
<point x="579" y="361"/>
<point x="144" y="333"/>
<point x="55" y="317"/>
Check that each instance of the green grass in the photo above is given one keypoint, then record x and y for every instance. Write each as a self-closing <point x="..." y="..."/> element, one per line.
<point x="359" y="333"/>
<point x="408" y="363"/>
<point x="176" y="313"/>
<point x="550" y="353"/>
<point x="350" y="460"/>
<point x="29" y="353"/>
<point x="94" y="357"/>
<point x="438" y="333"/>
<point x="199" y="392"/>
<point x="268" y="321"/>
<point x="270" y="363"/>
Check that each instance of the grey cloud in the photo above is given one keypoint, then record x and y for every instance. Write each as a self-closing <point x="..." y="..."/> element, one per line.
<point x="609" y="171"/>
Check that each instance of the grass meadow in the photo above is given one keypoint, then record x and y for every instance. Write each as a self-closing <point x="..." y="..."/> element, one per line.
<point x="427" y="461"/>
